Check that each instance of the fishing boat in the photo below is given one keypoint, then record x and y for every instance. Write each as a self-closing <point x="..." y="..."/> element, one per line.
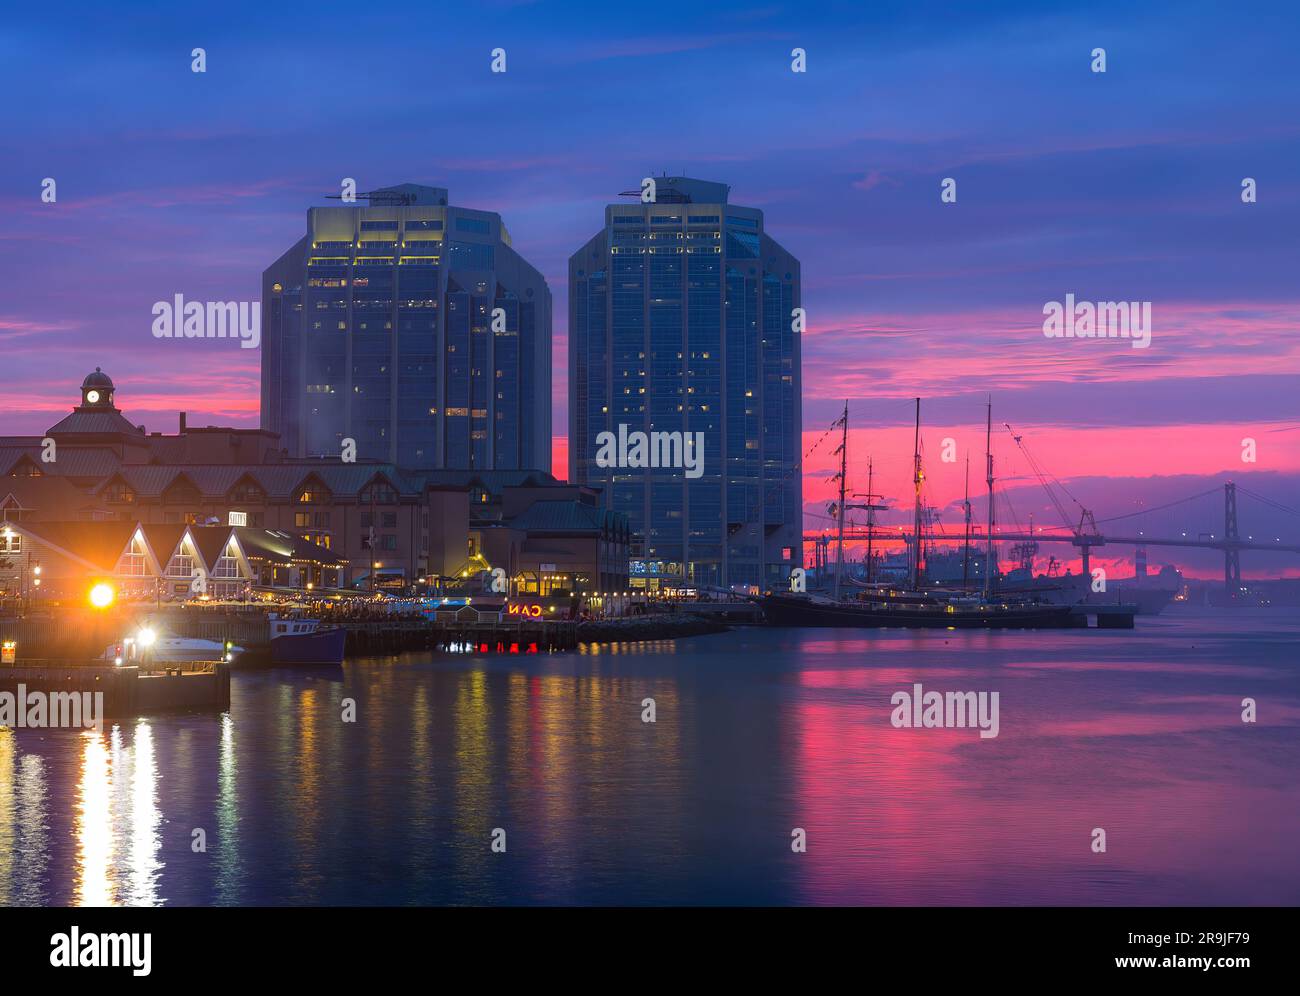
<point x="298" y="641"/>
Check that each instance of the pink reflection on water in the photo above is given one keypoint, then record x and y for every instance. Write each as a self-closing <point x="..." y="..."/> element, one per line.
<point x="903" y="816"/>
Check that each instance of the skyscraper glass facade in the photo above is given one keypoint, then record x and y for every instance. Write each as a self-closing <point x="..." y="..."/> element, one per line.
<point x="680" y="319"/>
<point x="412" y="328"/>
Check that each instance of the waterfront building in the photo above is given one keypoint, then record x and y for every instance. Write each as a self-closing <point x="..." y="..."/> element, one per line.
<point x="681" y="320"/>
<point x="413" y="328"/>
<point x="554" y="540"/>
<point x="151" y="562"/>
<point x="386" y="526"/>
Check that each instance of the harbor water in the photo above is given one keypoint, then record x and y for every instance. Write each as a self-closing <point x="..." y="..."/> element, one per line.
<point x="293" y="798"/>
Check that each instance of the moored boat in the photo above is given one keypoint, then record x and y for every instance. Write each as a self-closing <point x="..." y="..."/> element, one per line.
<point x="171" y="650"/>
<point x="303" y="641"/>
<point x="915" y="613"/>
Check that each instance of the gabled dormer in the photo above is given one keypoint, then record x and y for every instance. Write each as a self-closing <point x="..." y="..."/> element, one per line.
<point x="311" y="490"/>
<point x="116" y="491"/>
<point x="246" y="491"/>
<point x="26" y="466"/>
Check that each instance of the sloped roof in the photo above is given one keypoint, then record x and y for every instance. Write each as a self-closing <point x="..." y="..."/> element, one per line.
<point x="168" y="449"/>
<point x="102" y="543"/>
<point x="269" y="544"/>
<point x="69" y="461"/>
<point x="211" y="541"/>
<point x="281" y="481"/>
<point x="559" y="517"/>
<point x="11" y="452"/>
<point x="99" y="543"/>
<point x="283" y="547"/>
<point x="492" y="480"/>
<point x="44" y="492"/>
<point x="99" y="423"/>
<point x="162" y="539"/>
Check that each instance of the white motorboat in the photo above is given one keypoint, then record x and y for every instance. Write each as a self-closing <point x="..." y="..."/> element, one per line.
<point x="171" y="649"/>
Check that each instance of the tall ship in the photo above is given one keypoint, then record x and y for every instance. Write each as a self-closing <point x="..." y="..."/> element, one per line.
<point x="912" y="604"/>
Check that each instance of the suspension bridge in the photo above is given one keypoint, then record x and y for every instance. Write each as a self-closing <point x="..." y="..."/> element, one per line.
<point x="1089" y="536"/>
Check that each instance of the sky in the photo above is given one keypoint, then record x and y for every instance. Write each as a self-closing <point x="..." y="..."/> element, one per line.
<point x="1122" y="185"/>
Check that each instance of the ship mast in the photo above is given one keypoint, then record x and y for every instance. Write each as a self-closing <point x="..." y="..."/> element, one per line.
<point x="872" y="507"/>
<point x="989" y="566"/>
<point x="965" y="559"/>
<point x="917" y="478"/>
<point x="844" y="456"/>
<point x="871" y="516"/>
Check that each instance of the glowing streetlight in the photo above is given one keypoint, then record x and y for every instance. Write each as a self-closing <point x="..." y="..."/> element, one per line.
<point x="101" y="596"/>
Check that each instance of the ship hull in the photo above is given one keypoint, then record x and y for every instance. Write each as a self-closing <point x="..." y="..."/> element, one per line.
<point x="325" y="646"/>
<point x="1148" y="601"/>
<point x="782" y="610"/>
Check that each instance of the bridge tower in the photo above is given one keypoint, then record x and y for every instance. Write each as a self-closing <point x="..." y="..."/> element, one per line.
<point x="1231" y="555"/>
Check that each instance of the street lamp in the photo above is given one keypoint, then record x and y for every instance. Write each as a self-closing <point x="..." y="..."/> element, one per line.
<point x="101" y="596"/>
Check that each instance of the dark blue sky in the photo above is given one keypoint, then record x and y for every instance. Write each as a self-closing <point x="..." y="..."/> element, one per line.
<point x="1123" y="185"/>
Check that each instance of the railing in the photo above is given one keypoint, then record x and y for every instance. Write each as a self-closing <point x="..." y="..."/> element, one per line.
<point x="144" y="668"/>
<point x="61" y="662"/>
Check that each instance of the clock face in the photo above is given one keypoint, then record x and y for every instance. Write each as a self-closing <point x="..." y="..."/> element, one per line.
<point x="92" y="396"/>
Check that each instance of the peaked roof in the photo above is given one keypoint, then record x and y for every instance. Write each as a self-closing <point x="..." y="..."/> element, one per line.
<point x="211" y="541"/>
<point x="279" y="481"/>
<point x="98" y="423"/>
<point x="163" y="539"/>
<point x="98" y="543"/>
<point x="101" y="544"/>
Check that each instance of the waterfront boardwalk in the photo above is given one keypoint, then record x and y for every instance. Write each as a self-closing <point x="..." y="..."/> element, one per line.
<point x="390" y="636"/>
<point x="75" y="635"/>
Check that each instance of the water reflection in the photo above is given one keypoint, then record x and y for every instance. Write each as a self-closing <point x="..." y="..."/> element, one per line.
<point x="229" y="866"/>
<point x="24" y="826"/>
<point x="756" y="733"/>
<point x="95" y="833"/>
<point x="143" y="867"/>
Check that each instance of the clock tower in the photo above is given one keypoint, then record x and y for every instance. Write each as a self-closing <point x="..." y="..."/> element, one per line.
<point x="97" y="393"/>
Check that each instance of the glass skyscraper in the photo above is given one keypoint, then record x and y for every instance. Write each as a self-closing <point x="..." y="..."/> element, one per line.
<point x="414" y="329"/>
<point x="681" y="319"/>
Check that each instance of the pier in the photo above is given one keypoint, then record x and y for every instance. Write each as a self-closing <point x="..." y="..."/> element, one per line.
<point x="127" y="690"/>
<point x="251" y="630"/>
<point x="1102" y="616"/>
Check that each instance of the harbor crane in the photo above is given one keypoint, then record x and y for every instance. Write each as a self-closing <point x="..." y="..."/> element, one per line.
<point x="1086" y="534"/>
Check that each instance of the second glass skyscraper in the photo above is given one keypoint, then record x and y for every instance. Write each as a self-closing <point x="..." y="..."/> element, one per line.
<point x="681" y="319"/>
